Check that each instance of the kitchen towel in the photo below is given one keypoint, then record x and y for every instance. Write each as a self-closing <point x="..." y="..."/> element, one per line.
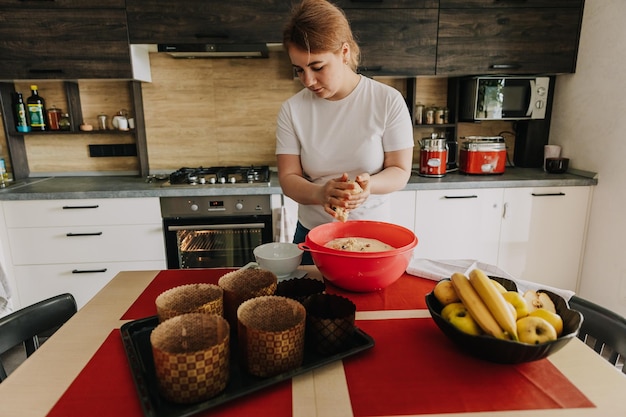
<point x="440" y="269"/>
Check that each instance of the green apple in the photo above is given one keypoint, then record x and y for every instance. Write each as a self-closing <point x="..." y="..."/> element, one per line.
<point x="462" y="320"/>
<point x="445" y="292"/>
<point x="518" y="301"/>
<point x="535" y="330"/>
<point x="553" y="318"/>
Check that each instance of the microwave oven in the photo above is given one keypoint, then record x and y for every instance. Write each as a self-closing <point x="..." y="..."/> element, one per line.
<point x="503" y="98"/>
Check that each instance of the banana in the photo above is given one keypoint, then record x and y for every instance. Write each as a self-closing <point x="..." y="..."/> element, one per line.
<point x="495" y="302"/>
<point x="476" y="307"/>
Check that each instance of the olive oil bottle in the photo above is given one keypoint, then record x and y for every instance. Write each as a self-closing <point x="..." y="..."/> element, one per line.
<point x="36" y="110"/>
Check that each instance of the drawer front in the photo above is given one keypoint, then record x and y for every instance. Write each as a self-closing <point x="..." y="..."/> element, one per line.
<point x="38" y="282"/>
<point x="82" y="212"/>
<point x="54" y="245"/>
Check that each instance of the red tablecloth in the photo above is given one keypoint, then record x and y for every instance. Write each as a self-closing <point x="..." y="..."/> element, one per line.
<point x="405" y="294"/>
<point x="412" y="369"/>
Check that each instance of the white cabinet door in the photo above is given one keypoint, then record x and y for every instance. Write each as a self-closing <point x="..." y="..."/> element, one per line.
<point x="403" y="208"/>
<point x="458" y="224"/>
<point x="542" y="234"/>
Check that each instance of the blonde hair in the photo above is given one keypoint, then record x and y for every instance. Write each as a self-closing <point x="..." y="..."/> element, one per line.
<point x="318" y="26"/>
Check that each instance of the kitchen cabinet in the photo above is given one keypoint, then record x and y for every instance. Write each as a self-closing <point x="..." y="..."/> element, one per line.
<point x="77" y="246"/>
<point x="403" y="204"/>
<point x="543" y="232"/>
<point x="67" y="39"/>
<point x="533" y="233"/>
<point x="206" y="21"/>
<point x="458" y="224"/>
<point x="394" y="41"/>
<point x="512" y="37"/>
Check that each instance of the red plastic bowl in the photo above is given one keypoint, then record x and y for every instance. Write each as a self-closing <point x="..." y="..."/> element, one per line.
<point x="361" y="271"/>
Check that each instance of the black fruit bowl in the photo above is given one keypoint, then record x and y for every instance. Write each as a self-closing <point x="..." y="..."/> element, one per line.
<point x="507" y="351"/>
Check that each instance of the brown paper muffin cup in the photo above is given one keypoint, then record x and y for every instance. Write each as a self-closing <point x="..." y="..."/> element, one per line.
<point x="329" y="323"/>
<point x="271" y="335"/>
<point x="191" y="356"/>
<point x="191" y="298"/>
<point x="242" y="285"/>
<point x="300" y="288"/>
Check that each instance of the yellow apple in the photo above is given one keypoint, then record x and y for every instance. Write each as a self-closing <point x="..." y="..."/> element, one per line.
<point x="535" y="330"/>
<point x="445" y="292"/>
<point x="553" y="318"/>
<point x="498" y="286"/>
<point x="461" y="319"/>
<point x="517" y="300"/>
<point x="539" y="299"/>
<point x="450" y="309"/>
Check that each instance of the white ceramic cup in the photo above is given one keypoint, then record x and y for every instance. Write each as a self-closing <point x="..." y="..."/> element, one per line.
<point x="550" y="151"/>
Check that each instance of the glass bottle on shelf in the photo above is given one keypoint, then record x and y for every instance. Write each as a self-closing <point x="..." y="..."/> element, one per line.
<point x="36" y="110"/>
<point x="21" y="118"/>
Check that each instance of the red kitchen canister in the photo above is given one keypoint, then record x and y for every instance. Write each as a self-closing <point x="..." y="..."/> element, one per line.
<point x="433" y="156"/>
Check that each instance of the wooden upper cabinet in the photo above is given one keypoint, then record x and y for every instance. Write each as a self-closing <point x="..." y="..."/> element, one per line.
<point x="63" y="43"/>
<point x="508" y="40"/>
<point x="495" y="4"/>
<point x="387" y="4"/>
<point x="206" y="21"/>
<point x="64" y="4"/>
<point x="400" y="42"/>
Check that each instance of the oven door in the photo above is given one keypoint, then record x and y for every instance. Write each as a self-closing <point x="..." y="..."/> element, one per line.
<point x="214" y="242"/>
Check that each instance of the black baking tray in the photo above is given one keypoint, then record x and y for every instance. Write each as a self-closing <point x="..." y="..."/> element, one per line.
<point x="136" y="339"/>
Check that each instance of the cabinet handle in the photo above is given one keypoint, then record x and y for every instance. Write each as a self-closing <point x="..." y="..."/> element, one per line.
<point x="70" y="234"/>
<point x="451" y="197"/>
<point x="547" y="194"/>
<point x="80" y="207"/>
<point x="88" y="271"/>
<point x="504" y="66"/>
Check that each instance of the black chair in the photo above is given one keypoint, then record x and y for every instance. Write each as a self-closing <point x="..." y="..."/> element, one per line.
<point x="606" y="328"/>
<point x="27" y="324"/>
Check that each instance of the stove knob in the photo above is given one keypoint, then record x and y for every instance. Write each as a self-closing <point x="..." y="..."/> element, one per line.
<point x="222" y="180"/>
<point x="202" y="180"/>
<point x="212" y="180"/>
<point x="232" y="180"/>
<point x="194" y="207"/>
<point x="239" y="205"/>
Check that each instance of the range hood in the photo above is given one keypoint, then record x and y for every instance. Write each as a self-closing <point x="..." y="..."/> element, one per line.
<point x="212" y="50"/>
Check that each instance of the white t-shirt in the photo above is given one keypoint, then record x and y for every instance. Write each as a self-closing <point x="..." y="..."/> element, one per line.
<point x="348" y="135"/>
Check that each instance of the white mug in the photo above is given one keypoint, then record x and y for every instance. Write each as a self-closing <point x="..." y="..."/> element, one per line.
<point x="550" y="151"/>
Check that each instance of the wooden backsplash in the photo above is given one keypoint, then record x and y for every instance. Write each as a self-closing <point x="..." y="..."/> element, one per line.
<point x="198" y="112"/>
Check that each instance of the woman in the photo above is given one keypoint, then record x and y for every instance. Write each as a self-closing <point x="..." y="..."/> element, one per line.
<point x="341" y="126"/>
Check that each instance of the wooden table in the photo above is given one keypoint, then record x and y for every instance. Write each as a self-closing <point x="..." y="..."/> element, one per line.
<point x="35" y="387"/>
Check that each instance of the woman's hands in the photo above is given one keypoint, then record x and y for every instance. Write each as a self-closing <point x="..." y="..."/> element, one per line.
<point x="339" y="193"/>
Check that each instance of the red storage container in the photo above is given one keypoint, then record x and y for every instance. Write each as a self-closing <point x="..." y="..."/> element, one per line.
<point x="483" y="155"/>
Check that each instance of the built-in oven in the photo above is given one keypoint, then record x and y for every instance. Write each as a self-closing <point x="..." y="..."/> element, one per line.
<point x="211" y="231"/>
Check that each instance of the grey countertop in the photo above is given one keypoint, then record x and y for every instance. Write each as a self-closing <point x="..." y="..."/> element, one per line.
<point x="73" y="187"/>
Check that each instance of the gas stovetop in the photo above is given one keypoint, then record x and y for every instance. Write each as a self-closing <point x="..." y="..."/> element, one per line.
<point x="220" y="176"/>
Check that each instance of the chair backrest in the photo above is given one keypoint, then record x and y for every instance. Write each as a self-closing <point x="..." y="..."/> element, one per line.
<point x="606" y="327"/>
<point x="26" y="324"/>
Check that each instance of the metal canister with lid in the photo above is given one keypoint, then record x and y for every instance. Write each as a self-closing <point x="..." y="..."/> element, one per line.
<point x="482" y="155"/>
<point x="433" y="156"/>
